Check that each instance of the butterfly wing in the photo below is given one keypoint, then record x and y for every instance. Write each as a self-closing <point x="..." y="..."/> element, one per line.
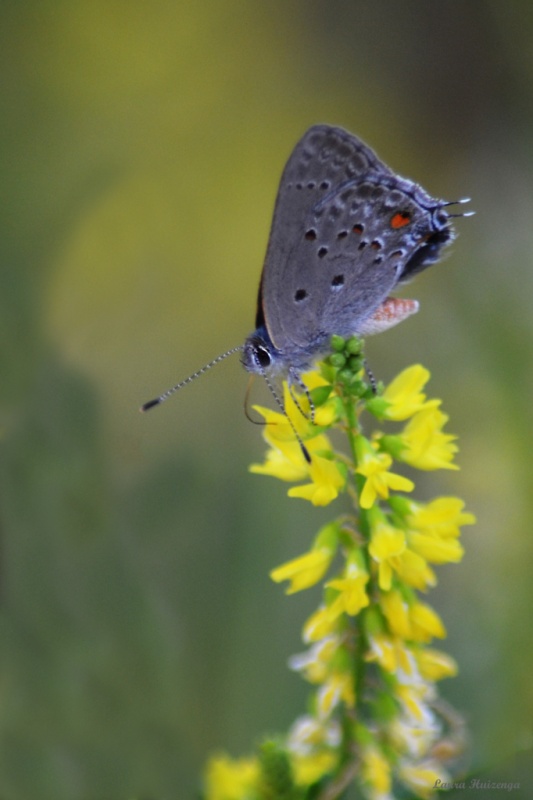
<point x="345" y="231"/>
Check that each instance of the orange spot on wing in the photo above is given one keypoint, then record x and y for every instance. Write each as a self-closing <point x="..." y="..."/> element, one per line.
<point x="395" y="308"/>
<point x="400" y="219"/>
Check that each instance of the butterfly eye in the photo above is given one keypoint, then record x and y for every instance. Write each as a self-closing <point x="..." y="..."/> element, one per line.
<point x="263" y="357"/>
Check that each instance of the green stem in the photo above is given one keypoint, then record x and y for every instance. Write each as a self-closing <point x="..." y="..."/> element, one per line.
<point x="352" y="428"/>
<point x="356" y="640"/>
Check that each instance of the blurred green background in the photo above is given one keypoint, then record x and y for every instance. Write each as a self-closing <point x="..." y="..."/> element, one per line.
<point x="141" y="148"/>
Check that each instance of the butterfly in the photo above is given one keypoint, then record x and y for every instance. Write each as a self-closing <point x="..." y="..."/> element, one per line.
<point x="346" y="231"/>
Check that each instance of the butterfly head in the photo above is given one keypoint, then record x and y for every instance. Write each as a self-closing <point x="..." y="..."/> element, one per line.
<point x="259" y="354"/>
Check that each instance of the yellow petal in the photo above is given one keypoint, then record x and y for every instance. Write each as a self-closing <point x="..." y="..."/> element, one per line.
<point x="319" y="625"/>
<point x="396" y="611"/>
<point x="438" y="551"/>
<point x="386" y="542"/>
<point x="304" y="571"/>
<point x="426" y="623"/>
<point x="435" y="665"/>
<point x="404" y="393"/>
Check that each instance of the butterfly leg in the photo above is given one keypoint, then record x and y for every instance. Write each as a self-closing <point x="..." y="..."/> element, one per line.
<point x="371" y="378"/>
<point x="294" y="377"/>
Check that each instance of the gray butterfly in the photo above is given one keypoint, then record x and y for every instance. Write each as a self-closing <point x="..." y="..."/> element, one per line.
<point x="346" y="231"/>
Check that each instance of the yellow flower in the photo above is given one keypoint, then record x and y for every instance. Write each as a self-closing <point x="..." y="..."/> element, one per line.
<point x="279" y="434"/>
<point x="296" y="407"/>
<point x="327" y="413"/>
<point x="404" y="395"/>
<point x="387" y="542"/>
<point x="412" y="738"/>
<point x="384" y="563"/>
<point x="327" y="481"/>
<point x="434" y="529"/>
<point x="312" y="744"/>
<point x="338" y="687"/>
<point x="414" y="570"/>
<point x="422" y="777"/>
<point x="352" y="595"/>
<point x="425" y="445"/>
<point x="396" y="611"/>
<point x="375" y="771"/>
<point x="413" y="698"/>
<point x="437" y="551"/>
<point x="425" y="623"/>
<point x="435" y="665"/>
<point x="412" y="621"/>
<point x="319" y="625"/>
<point x="389" y="549"/>
<point x="390" y="653"/>
<point x="308" y="769"/>
<point x="315" y="663"/>
<point x="229" y="779"/>
<point x="308" y="569"/>
<point x="286" y="461"/>
<point x="313" y="379"/>
<point x="307" y="733"/>
<point x="441" y="517"/>
<point x="374" y="466"/>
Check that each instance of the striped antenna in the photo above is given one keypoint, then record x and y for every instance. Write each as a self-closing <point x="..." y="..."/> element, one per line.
<point x="162" y="397"/>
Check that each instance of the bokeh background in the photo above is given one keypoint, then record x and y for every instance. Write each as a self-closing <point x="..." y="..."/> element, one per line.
<point x="141" y="148"/>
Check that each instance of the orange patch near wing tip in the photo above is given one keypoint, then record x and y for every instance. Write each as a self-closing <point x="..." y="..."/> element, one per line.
<point x="400" y="219"/>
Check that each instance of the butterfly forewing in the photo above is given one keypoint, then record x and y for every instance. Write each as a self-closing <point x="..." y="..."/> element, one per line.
<point x="324" y="159"/>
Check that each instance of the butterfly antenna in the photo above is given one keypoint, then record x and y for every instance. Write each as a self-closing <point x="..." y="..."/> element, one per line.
<point x="162" y="397"/>
<point x="459" y="202"/>
<point x="303" y="448"/>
